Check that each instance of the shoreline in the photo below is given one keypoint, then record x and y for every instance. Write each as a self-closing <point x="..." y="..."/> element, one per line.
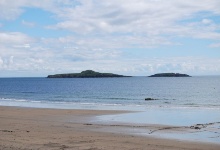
<point x="42" y="128"/>
<point x="188" y="125"/>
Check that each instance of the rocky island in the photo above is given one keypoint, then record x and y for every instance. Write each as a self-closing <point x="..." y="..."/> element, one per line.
<point x="86" y="74"/>
<point x="169" y="75"/>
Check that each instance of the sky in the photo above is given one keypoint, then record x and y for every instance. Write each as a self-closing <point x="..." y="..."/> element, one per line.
<point x="129" y="37"/>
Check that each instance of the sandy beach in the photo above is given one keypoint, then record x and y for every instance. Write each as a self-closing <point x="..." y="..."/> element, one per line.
<point x="57" y="129"/>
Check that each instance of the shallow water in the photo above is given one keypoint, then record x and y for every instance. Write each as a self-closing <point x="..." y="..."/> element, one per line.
<point x="170" y="123"/>
<point x="168" y="116"/>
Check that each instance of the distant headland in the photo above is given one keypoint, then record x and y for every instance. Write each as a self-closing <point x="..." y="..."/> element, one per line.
<point x="169" y="75"/>
<point x="86" y="74"/>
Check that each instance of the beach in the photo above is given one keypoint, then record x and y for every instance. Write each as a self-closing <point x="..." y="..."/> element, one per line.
<point x="63" y="129"/>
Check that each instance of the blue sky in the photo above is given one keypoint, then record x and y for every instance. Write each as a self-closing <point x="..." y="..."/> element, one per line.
<point x="130" y="37"/>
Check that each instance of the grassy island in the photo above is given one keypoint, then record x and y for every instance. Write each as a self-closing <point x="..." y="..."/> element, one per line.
<point x="86" y="74"/>
<point x="169" y="75"/>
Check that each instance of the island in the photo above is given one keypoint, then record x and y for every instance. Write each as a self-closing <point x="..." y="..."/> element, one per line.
<point x="86" y="74"/>
<point x="169" y="75"/>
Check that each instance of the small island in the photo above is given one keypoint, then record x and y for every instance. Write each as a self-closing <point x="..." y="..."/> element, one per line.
<point x="169" y="75"/>
<point x="86" y="74"/>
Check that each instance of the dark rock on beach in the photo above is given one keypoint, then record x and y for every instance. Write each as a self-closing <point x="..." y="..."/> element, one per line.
<point x="169" y="75"/>
<point x="86" y="74"/>
<point x="150" y="99"/>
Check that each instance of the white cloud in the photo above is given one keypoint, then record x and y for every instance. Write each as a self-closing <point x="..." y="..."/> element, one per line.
<point x="14" y="38"/>
<point x="70" y="54"/>
<point x="139" y="18"/>
<point x="190" y="65"/>
<point x="1" y="63"/>
<point x="145" y="21"/>
<point x="28" y="24"/>
<point x="131" y="15"/>
<point x="11" y="60"/>
<point x="215" y="45"/>
<point x="206" y="21"/>
<point x="103" y="29"/>
<point x="77" y="58"/>
<point x="23" y="46"/>
<point x="6" y="63"/>
<point x="10" y="9"/>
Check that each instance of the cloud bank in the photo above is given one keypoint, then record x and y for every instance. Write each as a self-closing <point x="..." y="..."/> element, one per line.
<point x="103" y="35"/>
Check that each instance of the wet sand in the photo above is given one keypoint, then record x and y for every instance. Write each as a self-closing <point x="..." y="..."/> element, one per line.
<point x="56" y="129"/>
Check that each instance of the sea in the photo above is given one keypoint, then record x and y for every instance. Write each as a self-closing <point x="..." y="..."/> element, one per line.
<point x="185" y="102"/>
<point x="127" y="93"/>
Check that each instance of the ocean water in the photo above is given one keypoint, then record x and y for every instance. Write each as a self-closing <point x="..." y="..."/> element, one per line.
<point x="111" y="93"/>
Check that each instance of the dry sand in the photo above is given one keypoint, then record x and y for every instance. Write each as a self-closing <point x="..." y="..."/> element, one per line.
<point x="53" y="129"/>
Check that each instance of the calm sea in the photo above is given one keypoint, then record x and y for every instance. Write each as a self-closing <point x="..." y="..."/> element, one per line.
<point x="111" y="93"/>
